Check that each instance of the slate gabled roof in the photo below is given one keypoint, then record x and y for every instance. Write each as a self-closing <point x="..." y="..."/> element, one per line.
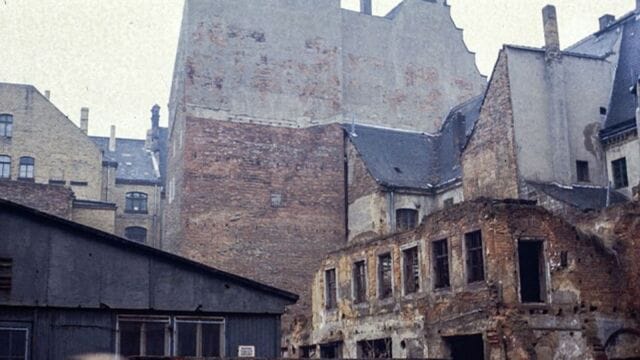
<point x="414" y="160"/>
<point x="581" y="197"/>
<point x="135" y="163"/>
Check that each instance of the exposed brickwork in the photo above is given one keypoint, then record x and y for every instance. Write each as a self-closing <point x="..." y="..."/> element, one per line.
<point x="587" y="300"/>
<point x="54" y="200"/>
<point x="489" y="161"/>
<point x="231" y="173"/>
<point x="360" y="181"/>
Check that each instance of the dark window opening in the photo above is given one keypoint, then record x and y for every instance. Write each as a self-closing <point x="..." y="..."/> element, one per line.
<point x="564" y="259"/>
<point x="5" y="167"/>
<point x="411" y="270"/>
<point x="308" y="352"/>
<point x="406" y="219"/>
<point x="448" y="202"/>
<point x="603" y="110"/>
<point x="475" y="257"/>
<point x="136" y="202"/>
<point x="532" y="279"/>
<point x="78" y="183"/>
<point x="330" y="289"/>
<point x="6" y="125"/>
<point x="375" y="349"/>
<point x="13" y="344"/>
<point x="136" y="233"/>
<point x="27" y="165"/>
<point x="385" y="288"/>
<point x="199" y="338"/>
<point x="441" y="264"/>
<point x="468" y="347"/>
<point x="582" y="170"/>
<point x="620" y="179"/>
<point x="6" y="272"/>
<point x="143" y="337"/>
<point x="359" y="282"/>
<point x="57" y="182"/>
<point x="331" y="350"/>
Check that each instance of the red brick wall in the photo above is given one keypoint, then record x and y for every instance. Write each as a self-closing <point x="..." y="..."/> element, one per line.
<point x="54" y="200"/>
<point x="361" y="183"/>
<point x="489" y="161"/>
<point x="230" y="172"/>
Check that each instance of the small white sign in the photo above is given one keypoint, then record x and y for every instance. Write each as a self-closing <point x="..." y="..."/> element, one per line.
<point x="246" y="351"/>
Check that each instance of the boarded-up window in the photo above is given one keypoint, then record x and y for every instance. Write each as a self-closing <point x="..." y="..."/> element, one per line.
<point x="359" y="282"/>
<point x="199" y="338"/>
<point x="6" y="272"/>
<point x="411" y="270"/>
<point x="475" y="258"/>
<point x="13" y="343"/>
<point x="330" y="289"/>
<point x="441" y="264"/>
<point x="385" y="288"/>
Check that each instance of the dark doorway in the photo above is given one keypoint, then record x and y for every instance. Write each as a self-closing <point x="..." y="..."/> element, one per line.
<point x="531" y="260"/>
<point x="467" y="347"/>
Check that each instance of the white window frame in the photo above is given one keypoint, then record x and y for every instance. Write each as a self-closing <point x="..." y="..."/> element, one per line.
<point x="199" y="321"/>
<point x="145" y="319"/>
<point x="27" y="334"/>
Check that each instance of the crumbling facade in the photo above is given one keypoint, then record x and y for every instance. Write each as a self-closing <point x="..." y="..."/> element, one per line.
<point x="483" y="279"/>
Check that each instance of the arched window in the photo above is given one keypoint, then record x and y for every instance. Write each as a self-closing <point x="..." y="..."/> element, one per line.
<point x="5" y="167"/>
<point x="27" y="165"/>
<point x="406" y="219"/>
<point x="6" y="125"/>
<point x="136" y="233"/>
<point x="136" y="203"/>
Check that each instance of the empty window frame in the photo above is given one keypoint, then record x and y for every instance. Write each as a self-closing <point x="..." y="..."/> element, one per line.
<point x="27" y="166"/>
<point x="411" y="270"/>
<point x="330" y="289"/>
<point x="136" y="233"/>
<point x="375" y="349"/>
<point x="531" y="266"/>
<point x="143" y="336"/>
<point x="619" y="168"/>
<point x="136" y="202"/>
<point x="14" y="343"/>
<point x="385" y="282"/>
<point x="200" y="337"/>
<point x="6" y="125"/>
<point x="406" y="219"/>
<point x="582" y="171"/>
<point x="308" y="352"/>
<point x="475" y="257"/>
<point x="6" y="275"/>
<point x="440" y="264"/>
<point x="5" y="167"/>
<point x="359" y="282"/>
<point x="331" y="350"/>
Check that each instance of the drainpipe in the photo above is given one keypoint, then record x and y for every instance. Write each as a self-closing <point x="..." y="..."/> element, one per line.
<point x="391" y="205"/>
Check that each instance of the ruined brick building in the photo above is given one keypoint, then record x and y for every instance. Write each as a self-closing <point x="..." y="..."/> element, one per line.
<point x="299" y="129"/>
<point x="49" y="163"/>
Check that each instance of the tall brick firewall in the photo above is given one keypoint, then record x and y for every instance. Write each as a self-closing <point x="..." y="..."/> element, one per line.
<point x="231" y="173"/>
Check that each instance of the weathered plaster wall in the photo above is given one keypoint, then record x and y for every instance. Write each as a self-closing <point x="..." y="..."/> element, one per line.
<point x="241" y="60"/>
<point x="489" y="164"/>
<point x="60" y="149"/>
<point x="536" y="127"/>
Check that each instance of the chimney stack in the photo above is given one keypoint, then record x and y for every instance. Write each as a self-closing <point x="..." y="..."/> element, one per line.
<point x="47" y="94"/>
<point x="155" y="116"/>
<point x="606" y="20"/>
<point x="84" y="120"/>
<point x="367" y="8"/>
<point x="551" y="37"/>
<point x="112" y="139"/>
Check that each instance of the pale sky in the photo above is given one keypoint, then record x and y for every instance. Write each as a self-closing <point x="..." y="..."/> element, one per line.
<point x="116" y="56"/>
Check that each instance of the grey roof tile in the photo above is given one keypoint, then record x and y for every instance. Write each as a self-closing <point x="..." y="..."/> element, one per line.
<point x="134" y="161"/>
<point x="581" y="197"/>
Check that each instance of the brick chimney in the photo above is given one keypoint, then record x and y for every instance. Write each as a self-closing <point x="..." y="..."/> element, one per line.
<point x="84" y="120"/>
<point x="112" y="139"/>
<point x="606" y="20"/>
<point x="155" y="116"/>
<point x="551" y="37"/>
<point x="367" y="8"/>
<point x="47" y="94"/>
